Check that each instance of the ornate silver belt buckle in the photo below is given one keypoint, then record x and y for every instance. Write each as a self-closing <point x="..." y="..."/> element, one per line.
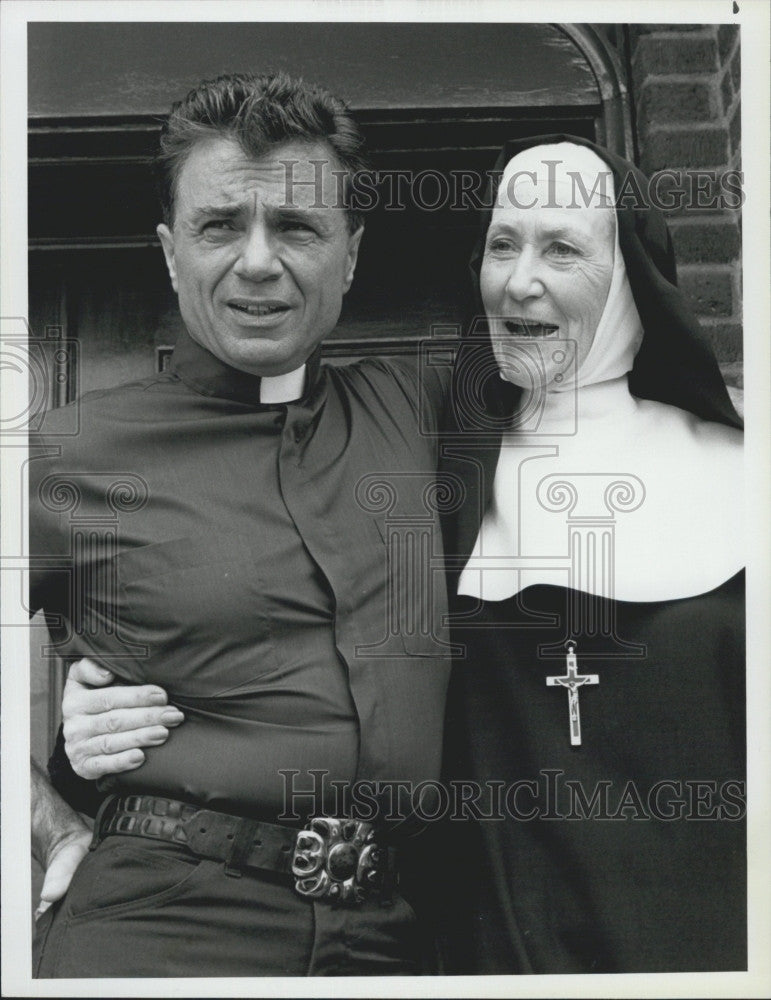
<point x="337" y="859"/>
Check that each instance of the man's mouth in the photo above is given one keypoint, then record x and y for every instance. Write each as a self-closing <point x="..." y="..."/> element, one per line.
<point x="529" y="328"/>
<point x="259" y="308"/>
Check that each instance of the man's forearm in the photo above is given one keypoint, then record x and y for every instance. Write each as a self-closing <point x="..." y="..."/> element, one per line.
<point x="54" y="823"/>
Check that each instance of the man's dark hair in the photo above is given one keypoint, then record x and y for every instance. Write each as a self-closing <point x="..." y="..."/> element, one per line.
<point x="259" y="112"/>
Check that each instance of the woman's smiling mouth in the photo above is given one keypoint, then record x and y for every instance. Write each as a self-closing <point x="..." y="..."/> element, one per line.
<point x="529" y="328"/>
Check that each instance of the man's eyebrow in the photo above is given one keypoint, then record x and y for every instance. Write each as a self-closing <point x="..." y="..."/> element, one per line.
<point x="225" y="211"/>
<point x="295" y="213"/>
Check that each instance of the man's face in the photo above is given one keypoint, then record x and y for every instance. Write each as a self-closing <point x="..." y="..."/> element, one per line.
<point x="260" y="265"/>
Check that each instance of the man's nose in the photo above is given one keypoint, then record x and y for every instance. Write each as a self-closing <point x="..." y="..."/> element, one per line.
<point x="258" y="259"/>
<point x="524" y="281"/>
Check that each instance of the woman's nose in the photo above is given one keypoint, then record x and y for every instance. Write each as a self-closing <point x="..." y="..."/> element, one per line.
<point x="524" y="281"/>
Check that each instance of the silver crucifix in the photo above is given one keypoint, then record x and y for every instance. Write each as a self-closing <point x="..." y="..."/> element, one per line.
<point x="572" y="680"/>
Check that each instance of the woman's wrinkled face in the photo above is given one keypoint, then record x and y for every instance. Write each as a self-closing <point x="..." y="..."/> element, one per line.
<point x="544" y="281"/>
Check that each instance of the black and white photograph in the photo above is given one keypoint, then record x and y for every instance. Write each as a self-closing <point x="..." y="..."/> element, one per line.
<point x="385" y="574"/>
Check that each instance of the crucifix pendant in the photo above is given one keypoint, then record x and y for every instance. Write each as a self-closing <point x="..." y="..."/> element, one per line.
<point x="572" y="680"/>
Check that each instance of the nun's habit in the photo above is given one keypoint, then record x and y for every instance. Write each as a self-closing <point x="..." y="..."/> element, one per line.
<point x="600" y="700"/>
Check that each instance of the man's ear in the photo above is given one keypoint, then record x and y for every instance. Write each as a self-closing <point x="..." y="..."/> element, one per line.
<point x="167" y="242"/>
<point x="353" y="255"/>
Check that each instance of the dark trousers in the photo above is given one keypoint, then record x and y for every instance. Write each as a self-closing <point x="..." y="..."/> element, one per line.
<point x="147" y="908"/>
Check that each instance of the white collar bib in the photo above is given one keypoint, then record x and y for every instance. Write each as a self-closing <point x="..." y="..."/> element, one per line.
<point x="614" y="496"/>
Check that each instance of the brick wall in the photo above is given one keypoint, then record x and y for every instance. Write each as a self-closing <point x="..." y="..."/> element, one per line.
<point x="686" y="105"/>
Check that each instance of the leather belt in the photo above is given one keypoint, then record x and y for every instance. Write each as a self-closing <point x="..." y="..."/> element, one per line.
<point x="329" y="858"/>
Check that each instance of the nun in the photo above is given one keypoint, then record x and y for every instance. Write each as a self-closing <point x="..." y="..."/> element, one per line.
<point x="598" y="699"/>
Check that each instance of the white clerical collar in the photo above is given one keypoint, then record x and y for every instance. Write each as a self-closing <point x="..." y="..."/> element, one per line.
<point x="282" y="388"/>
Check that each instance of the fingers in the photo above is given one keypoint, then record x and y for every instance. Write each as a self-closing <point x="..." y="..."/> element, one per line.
<point x="79" y="700"/>
<point x="117" y="743"/>
<point x="99" y="765"/>
<point x="85" y="671"/>
<point x="106" y="725"/>
<point x="82" y="727"/>
<point x="109" y="743"/>
<point x="61" y="868"/>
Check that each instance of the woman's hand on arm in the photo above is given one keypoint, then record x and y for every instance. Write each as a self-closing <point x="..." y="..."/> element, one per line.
<point x="105" y="725"/>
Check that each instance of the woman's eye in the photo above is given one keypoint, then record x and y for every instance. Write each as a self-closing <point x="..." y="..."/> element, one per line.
<point x="499" y="246"/>
<point x="559" y="249"/>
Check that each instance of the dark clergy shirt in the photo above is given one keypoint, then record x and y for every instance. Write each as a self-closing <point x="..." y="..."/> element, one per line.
<point x="276" y="567"/>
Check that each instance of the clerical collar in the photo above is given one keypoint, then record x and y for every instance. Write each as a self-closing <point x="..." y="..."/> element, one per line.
<point x="283" y="388"/>
<point x="202" y="371"/>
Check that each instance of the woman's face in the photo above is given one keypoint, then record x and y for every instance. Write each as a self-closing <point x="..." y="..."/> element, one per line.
<point x="545" y="278"/>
